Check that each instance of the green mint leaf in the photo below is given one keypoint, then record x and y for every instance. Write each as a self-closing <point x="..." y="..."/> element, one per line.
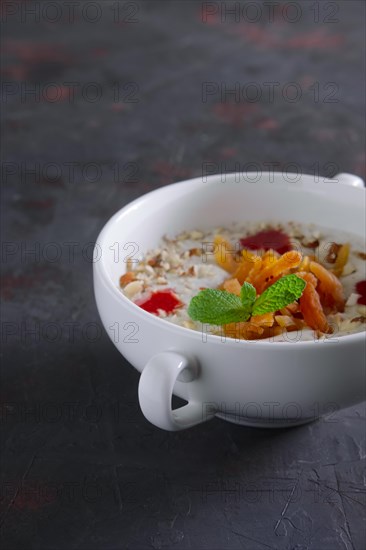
<point x="248" y="295"/>
<point x="282" y="293"/>
<point x="217" y="307"/>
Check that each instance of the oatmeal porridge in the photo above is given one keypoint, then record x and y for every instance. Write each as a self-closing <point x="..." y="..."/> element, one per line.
<point x="256" y="259"/>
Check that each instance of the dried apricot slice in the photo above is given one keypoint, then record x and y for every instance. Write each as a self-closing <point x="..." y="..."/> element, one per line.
<point x="246" y="263"/>
<point x="329" y="287"/>
<point x="224" y="254"/>
<point x="311" y="307"/>
<point x="342" y="259"/>
<point x="243" y="330"/>
<point x="233" y="286"/>
<point x="275" y="270"/>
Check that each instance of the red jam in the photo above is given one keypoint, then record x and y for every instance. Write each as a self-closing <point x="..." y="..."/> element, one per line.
<point x="161" y="299"/>
<point x="266" y="240"/>
<point x="361" y="289"/>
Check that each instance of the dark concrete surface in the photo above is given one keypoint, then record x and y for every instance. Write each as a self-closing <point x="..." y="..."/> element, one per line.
<point x="81" y="468"/>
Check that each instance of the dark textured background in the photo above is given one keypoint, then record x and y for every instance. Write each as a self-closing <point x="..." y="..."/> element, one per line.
<point x="81" y="467"/>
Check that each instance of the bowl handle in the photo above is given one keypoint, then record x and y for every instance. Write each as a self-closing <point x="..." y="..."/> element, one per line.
<point x="156" y="388"/>
<point x="349" y="179"/>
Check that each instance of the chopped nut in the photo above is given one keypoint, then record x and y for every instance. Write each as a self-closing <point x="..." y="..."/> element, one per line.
<point x="191" y="272"/>
<point x="204" y="271"/>
<point x="128" y="277"/>
<point x="149" y="269"/>
<point x="194" y="252"/>
<point x="174" y="260"/>
<point x="155" y="261"/>
<point x="352" y="300"/>
<point x="310" y="243"/>
<point x="184" y="235"/>
<point x="161" y="281"/>
<point x="332" y="253"/>
<point x="188" y="324"/>
<point x="162" y="313"/>
<point x="142" y="277"/>
<point x="133" y="288"/>
<point x="348" y="269"/>
<point x="195" y="235"/>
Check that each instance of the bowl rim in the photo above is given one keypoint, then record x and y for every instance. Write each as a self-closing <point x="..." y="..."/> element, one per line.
<point x="101" y="270"/>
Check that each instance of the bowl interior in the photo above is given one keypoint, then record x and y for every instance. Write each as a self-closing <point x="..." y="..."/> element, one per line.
<point x="198" y="204"/>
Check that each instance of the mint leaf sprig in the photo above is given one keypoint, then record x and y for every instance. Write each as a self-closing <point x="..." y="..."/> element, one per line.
<point x="219" y="307"/>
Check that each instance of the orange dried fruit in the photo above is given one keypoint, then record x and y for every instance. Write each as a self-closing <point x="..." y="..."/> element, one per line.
<point x="254" y="271"/>
<point x="285" y="321"/>
<point x="329" y="287"/>
<point x="224" y="254"/>
<point x="277" y="269"/>
<point x="264" y="320"/>
<point x="342" y="259"/>
<point x="243" y="330"/>
<point x="233" y="286"/>
<point x="311" y="307"/>
<point x="270" y="257"/>
<point x="245" y="265"/>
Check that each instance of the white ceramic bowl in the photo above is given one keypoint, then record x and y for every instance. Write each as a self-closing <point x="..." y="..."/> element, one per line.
<point x="257" y="383"/>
